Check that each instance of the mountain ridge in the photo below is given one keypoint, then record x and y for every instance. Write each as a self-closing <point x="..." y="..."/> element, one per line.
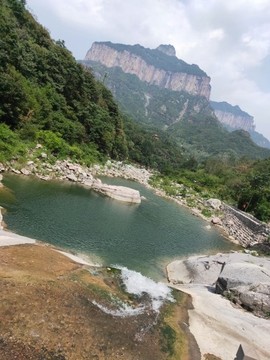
<point x="234" y="118"/>
<point x="152" y="66"/>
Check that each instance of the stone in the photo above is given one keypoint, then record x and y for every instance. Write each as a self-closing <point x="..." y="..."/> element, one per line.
<point x="214" y="203"/>
<point x="246" y="284"/>
<point x="43" y="155"/>
<point x="216" y="220"/>
<point x="120" y="193"/>
<point x="39" y="146"/>
<point x="71" y="177"/>
<point x="1" y="177"/>
<point x="25" y="171"/>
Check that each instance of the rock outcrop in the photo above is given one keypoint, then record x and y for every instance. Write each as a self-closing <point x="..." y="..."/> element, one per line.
<point x="131" y="60"/>
<point x="120" y="193"/>
<point x="232" y="116"/>
<point x="167" y="49"/>
<point x="241" y="277"/>
<point x="246" y="284"/>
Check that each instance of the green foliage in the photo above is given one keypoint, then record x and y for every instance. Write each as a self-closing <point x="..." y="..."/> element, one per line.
<point x="43" y="88"/>
<point x="10" y="144"/>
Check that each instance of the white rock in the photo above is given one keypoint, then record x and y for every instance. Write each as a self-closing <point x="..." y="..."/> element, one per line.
<point x="216" y="220"/>
<point x="120" y="193"/>
<point x="71" y="177"/>
<point x="214" y="203"/>
<point x="25" y="171"/>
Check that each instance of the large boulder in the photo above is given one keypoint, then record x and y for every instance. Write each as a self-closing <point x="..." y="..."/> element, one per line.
<point x="214" y="203"/>
<point x="246" y="284"/>
<point x="120" y="193"/>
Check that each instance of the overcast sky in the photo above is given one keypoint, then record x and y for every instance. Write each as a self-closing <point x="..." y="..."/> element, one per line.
<point x="228" y="39"/>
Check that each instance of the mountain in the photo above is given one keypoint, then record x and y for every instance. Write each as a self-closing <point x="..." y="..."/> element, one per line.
<point x="233" y="118"/>
<point x="157" y="89"/>
<point x="153" y="66"/>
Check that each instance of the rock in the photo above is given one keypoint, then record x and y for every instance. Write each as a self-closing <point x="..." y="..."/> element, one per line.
<point x="254" y="297"/>
<point x="238" y="274"/>
<point x="120" y="193"/>
<point x="39" y="146"/>
<point x="214" y="203"/>
<point x="25" y="171"/>
<point x="15" y="171"/>
<point x="29" y="163"/>
<point x="71" y="177"/>
<point x="43" y="155"/>
<point x="216" y="220"/>
<point x="246" y="284"/>
<point x="1" y="177"/>
<point x="2" y="168"/>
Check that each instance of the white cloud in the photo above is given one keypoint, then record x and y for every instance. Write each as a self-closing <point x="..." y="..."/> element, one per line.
<point x="226" y="38"/>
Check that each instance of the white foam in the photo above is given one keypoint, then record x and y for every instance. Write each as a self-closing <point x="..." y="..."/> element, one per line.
<point x="124" y="311"/>
<point x="138" y="284"/>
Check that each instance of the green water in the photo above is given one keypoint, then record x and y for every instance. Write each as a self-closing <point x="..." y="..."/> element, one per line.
<point x="141" y="237"/>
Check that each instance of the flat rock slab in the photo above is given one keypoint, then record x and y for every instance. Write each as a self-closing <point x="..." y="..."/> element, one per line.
<point x="120" y="193"/>
<point x="206" y="269"/>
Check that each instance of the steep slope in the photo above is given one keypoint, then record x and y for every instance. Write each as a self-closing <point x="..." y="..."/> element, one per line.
<point x="42" y="88"/>
<point x="47" y="97"/>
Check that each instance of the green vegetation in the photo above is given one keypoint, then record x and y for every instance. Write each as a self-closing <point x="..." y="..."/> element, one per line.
<point x="44" y="89"/>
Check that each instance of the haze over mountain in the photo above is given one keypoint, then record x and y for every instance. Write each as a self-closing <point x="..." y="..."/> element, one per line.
<point x="233" y="118"/>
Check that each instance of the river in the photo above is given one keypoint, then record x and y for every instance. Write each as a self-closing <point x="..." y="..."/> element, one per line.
<point x="141" y="237"/>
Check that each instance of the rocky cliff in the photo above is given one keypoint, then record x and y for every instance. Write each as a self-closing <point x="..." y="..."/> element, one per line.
<point x="156" y="67"/>
<point x="232" y="116"/>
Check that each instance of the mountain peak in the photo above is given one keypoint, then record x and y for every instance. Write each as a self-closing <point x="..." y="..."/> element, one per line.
<point x="167" y="49"/>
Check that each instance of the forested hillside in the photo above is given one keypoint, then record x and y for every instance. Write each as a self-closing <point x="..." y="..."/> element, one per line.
<point x="43" y="89"/>
<point x="47" y="97"/>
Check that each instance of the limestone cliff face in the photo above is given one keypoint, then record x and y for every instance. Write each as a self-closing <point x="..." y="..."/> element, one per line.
<point x="132" y="63"/>
<point x="232" y="116"/>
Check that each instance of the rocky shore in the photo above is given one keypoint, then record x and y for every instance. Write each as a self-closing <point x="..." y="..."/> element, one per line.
<point x="66" y="170"/>
<point x="245" y="281"/>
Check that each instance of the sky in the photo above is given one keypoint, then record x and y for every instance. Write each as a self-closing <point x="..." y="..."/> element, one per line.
<point x="228" y="39"/>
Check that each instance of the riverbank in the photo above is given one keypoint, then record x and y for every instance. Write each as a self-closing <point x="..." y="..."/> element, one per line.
<point x="214" y="318"/>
